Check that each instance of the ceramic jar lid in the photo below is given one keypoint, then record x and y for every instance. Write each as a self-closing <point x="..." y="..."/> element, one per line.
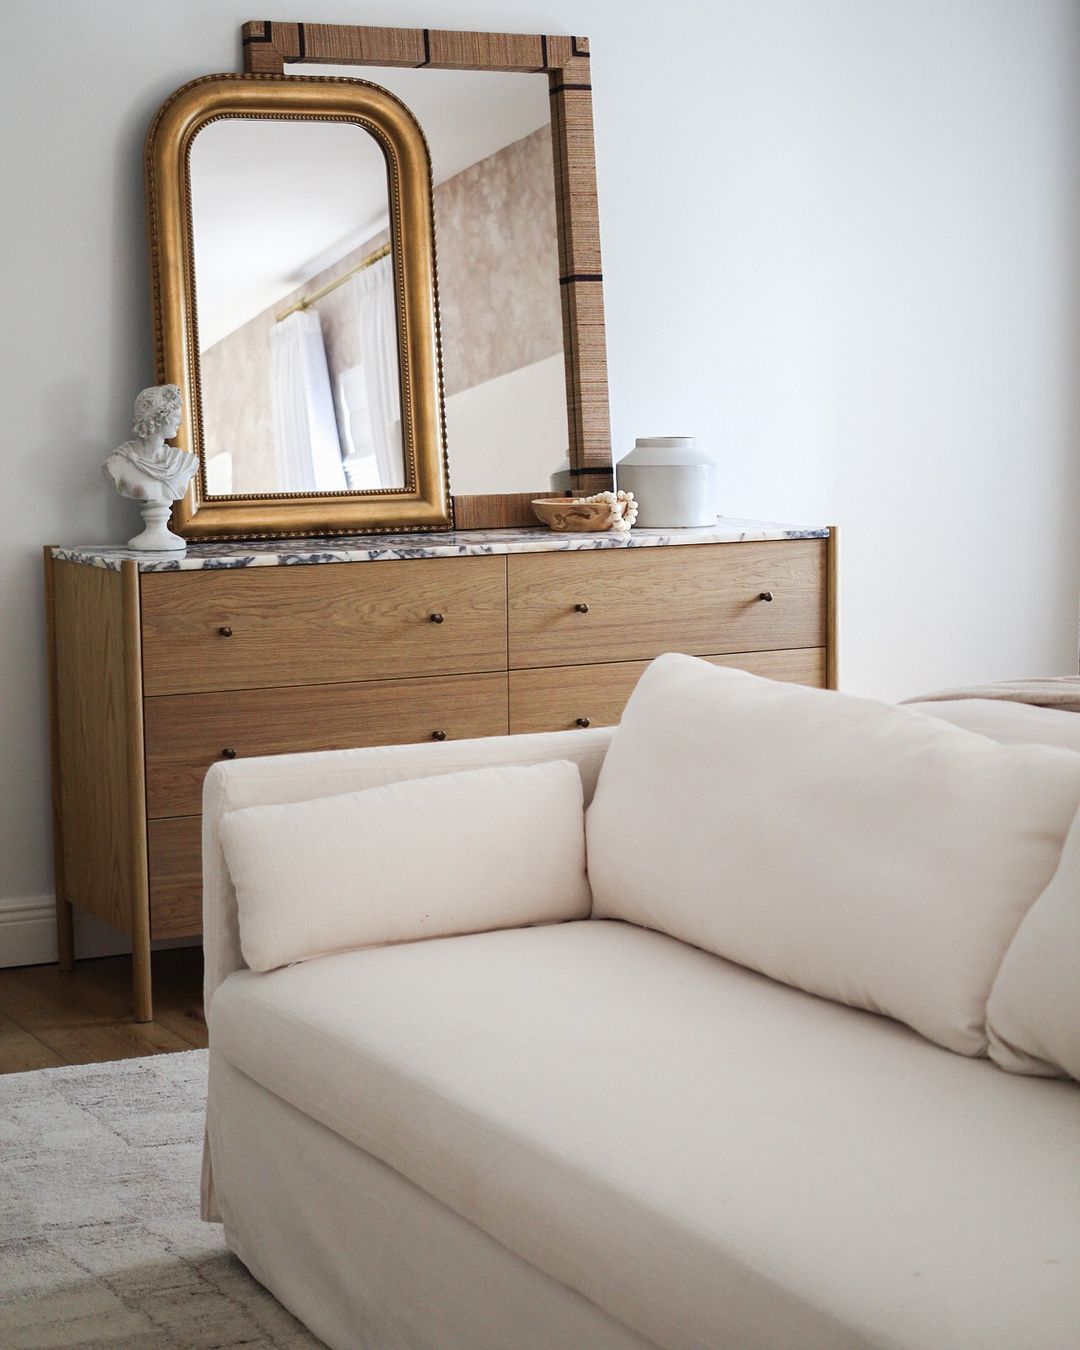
<point x="667" y="450"/>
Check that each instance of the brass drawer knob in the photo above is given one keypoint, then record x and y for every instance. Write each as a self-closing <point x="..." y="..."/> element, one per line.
<point x="435" y="618"/>
<point x="582" y="609"/>
<point x="228" y="753"/>
<point x="581" y="722"/>
<point x="766" y="596"/>
<point x="225" y="631"/>
<point x="438" y="735"/>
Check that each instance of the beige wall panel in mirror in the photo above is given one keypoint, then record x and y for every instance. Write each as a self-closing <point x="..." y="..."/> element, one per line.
<point x="296" y="306"/>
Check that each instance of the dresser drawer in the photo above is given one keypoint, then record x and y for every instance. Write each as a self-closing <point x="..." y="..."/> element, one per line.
<point x="186" y="733"/>
<point x="175" y="868"/>
<point x="559" y="699"/>
<point x="258" y="627"/>
<point x="622" y="605"/>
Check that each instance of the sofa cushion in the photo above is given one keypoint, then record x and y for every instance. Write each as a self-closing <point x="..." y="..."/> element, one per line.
<point x="861" y="851"/>
<point x="1009" y="723"/>
<point x="1034" y="1010"/>
<point x="710" y="1157"/>
<point x="1033" y="1015"/>
<point x="456" y="853"/>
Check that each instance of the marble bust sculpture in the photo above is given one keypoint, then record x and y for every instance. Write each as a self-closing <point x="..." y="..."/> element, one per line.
<point x="150" y="471"/>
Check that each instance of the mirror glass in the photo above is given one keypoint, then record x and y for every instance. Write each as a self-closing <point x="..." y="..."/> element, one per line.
<point x="489" y="134"/>
<point x="296" y="310"/>
<point x="289" y="214"/>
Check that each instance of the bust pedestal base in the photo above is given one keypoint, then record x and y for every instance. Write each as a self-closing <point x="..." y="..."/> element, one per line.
<point x="156" y="537"/>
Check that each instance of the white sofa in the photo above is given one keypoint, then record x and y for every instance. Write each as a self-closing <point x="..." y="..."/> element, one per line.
<point x="593" y="1134"/>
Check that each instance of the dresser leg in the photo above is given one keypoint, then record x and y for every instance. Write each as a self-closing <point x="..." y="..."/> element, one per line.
<point x="832" y="609"/>
<point x="140" y="975"/>
<point x="65" y="918"/>
<point x="65" y="935"/>
<point x="139" y="894"/>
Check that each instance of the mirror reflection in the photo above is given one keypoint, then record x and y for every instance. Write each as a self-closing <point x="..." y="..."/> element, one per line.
<point x="295" y="293"/>
<point x="495" y="231"/>
<point x="296" y="310"/>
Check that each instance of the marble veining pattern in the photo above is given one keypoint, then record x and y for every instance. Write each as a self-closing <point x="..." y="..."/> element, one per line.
<point x="451" y="544"/>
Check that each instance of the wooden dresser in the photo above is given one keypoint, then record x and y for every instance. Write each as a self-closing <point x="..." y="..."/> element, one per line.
<point x="158" y="668"/>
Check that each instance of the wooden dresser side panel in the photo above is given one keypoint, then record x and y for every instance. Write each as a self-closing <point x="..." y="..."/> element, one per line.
<point x="99" y="742"/>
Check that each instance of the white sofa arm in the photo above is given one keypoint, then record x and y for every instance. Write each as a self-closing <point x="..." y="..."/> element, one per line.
<point x="295" y="778"/>
<point x="274" y="779"/>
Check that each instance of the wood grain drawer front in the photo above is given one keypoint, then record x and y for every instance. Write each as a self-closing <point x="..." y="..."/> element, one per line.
<point x="259" y="627"/>
<point x="186" y="733"/>
<point x="623" y="605"/>
<point x="573" y="696"/>
<point x="175" y="877"/>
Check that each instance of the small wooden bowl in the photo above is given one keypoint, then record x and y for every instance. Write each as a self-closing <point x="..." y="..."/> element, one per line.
<point x="563" y="514"/>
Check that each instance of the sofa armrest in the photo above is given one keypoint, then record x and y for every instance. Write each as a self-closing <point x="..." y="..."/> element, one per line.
<point x="275" y="779"/>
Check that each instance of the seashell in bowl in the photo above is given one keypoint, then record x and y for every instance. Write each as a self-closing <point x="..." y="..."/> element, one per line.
<point x="564" y="514"/>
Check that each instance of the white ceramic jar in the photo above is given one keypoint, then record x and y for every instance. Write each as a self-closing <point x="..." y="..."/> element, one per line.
<point x="562" y="480"/>
<point x="674" y="482"/>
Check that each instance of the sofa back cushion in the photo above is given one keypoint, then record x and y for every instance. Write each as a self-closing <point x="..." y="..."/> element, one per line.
<point x="1010" y="723"/>
<point x="1034" y="1011"/>
<point x="457" y="853"/>
<point x="856" y="850"/>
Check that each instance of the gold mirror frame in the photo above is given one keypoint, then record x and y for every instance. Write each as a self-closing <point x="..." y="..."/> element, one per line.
<point x="424" y="502"/>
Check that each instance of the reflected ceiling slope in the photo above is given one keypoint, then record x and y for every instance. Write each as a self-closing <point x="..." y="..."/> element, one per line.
<point x="311" y="208"/>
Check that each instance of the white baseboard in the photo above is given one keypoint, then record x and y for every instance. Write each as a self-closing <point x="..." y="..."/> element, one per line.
<point x="28" y="934"/>
<point x="27" y="931"/>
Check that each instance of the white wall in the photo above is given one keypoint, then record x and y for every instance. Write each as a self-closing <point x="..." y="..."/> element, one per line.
<point x="508" y="434"/>
<point x="840" y="245"/>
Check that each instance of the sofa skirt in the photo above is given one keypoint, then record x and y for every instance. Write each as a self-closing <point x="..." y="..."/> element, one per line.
<point x="365" y="1258"/>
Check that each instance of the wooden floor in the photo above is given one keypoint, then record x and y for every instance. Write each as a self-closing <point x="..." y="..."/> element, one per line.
<point x="47" y="1018"/>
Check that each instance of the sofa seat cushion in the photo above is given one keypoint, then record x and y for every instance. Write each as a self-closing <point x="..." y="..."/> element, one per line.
<point x="712" y="1158"/>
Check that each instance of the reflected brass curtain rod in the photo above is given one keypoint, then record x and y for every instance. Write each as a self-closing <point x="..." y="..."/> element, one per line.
<point x="309" y="300"/>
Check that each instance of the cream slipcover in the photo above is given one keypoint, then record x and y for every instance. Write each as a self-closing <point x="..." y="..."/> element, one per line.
<point x="366" y="1259"/>
<point x="498" y="847"/>
<point x="1009" y="723"/>
<point x="856" y="850"/>
<point x="1033" y="1015"/>
<point x="272" y="779"/>
<point x="711" y="1158"/>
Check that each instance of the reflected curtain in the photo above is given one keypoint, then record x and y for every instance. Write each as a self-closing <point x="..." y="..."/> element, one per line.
<point x="372" y="294"/>
<point x="307" y="447"/>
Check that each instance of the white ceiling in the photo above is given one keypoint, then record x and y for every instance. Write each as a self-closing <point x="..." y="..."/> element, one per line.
<point x="275" y="202"/>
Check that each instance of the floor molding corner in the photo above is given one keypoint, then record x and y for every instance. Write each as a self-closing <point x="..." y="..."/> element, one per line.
<point x="28" y="933"/>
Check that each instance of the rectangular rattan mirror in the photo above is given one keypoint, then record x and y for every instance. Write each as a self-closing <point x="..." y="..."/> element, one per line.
<point x="564" y="62"/>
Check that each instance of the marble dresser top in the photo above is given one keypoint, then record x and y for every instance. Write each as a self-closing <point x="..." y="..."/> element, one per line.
<point x="446" y="544"/>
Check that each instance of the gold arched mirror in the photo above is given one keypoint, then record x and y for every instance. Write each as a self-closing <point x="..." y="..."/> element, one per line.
<point x="267" y="194"/>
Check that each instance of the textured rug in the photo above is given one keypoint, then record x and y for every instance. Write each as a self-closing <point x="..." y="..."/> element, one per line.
<point x="100" y="1238"/>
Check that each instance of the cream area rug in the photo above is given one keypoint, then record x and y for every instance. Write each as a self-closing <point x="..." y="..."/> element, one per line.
<point x="100" y="1239"/>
